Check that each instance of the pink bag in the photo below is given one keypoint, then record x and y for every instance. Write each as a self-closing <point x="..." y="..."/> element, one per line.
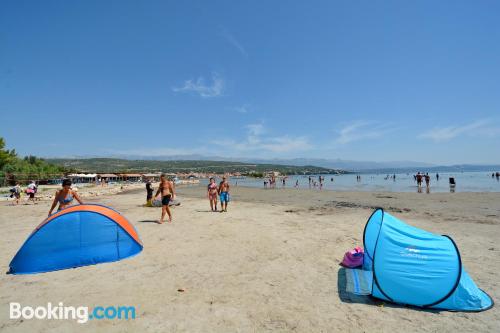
<point x="353" y="258"/>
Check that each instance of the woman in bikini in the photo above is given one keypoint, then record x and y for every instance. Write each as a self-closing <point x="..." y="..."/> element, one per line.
<point x="64" y="197"/>
<point x="212" y="194"/>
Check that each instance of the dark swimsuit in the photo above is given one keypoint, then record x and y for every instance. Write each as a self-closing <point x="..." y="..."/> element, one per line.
<point x="166" y="200"/>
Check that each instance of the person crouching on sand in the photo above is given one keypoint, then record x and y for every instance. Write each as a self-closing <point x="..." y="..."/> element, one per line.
<point x="212" y="194"/>
<point x="224" y="194"/>
<point x="65" y="197"/>
<point x="167" y="193"/>
<point x="149" y="193"/>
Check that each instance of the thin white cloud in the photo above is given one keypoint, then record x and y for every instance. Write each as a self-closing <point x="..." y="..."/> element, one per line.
<point x="257" y="141"/>
<point x="241" y="109"/>
<point x="151" y="152"/>
<point x="361" y="130"/>
<point x="480" y="128"/>
<point x="234" y="42"/>
<point x="255" y="130"/>
<point x="200" y="86"/>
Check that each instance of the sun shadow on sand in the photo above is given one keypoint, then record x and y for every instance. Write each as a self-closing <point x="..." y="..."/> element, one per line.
<point x="348" y="297"/>
<point x="148" y="221"/>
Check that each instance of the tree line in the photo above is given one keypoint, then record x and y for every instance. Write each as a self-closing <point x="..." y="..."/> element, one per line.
<point x="23" y="169"/>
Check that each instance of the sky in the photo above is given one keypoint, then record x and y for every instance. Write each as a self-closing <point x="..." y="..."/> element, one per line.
<point x="355" y="80"/>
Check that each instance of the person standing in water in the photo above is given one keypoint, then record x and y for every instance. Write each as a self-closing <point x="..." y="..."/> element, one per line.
<point x="64" y="197"/>
<point x="212" y="194"/>
<point x="166" y="189"/>
<point x="224" y="194"/>
<point x="419" y="179"/>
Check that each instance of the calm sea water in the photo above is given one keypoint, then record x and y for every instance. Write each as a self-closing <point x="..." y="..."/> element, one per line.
<point x="465" y="182"/>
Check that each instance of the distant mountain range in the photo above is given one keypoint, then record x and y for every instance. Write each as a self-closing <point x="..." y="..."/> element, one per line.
<point x="337" y="164"/>
<point x="106" y="165"/>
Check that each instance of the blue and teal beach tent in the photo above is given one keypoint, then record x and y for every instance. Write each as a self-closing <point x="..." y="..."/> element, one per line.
<point x="415" y="267"/>
<point x="77" y="236"/>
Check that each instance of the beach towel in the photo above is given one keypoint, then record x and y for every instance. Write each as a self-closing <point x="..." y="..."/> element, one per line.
<point x="358" y="281"/>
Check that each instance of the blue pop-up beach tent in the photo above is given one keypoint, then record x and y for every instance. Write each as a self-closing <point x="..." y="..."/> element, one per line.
<point x="77" y="236"/>
<point x="415" y="267"/>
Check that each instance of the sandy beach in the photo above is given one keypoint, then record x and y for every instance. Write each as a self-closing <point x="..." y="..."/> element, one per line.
<point x="270" y="264"/>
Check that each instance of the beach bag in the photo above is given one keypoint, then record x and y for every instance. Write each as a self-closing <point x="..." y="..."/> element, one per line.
<point x="353" y="258"/>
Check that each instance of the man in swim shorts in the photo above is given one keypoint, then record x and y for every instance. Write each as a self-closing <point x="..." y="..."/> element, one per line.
<point x="224" y="194"/>
<point x="167" y="193"/>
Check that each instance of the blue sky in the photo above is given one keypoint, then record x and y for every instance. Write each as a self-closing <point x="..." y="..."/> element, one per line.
<point x="359" y="80"/>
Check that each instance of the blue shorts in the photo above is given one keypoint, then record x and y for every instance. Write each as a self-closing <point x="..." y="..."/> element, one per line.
<point x="224" y="196"/>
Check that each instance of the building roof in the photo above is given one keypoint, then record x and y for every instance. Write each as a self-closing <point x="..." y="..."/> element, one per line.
<point x="107" y="175"/>
<point x="83" y="175"/>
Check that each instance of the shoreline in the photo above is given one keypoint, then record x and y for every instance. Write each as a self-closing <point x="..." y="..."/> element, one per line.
<point x="464" y="206"/>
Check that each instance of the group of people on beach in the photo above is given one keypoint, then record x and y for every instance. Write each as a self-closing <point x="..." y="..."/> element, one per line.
<point x="222" y="190"/>
<point x="31" y="190"/>
<point x="65" y="196"/>
<point x="166" y="191"/>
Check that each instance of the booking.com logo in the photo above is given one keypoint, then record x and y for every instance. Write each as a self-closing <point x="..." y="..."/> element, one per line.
<point x="81" y="314"/>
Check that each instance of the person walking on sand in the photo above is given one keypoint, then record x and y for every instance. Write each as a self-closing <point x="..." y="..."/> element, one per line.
<point x="212" y="194"/>
<point x="166" y="189"/>
<point x="224" y="194"/>
<point x="64" y="197"/>
<point x="31" y="191"/>
<point x="16" y="193"/>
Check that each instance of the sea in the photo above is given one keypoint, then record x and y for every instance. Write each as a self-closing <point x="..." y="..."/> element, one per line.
<point x="376" y="182"/>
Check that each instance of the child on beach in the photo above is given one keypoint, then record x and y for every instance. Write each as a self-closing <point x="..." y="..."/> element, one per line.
<point x="212" y="194"/>
<point x="149" y="193"/>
